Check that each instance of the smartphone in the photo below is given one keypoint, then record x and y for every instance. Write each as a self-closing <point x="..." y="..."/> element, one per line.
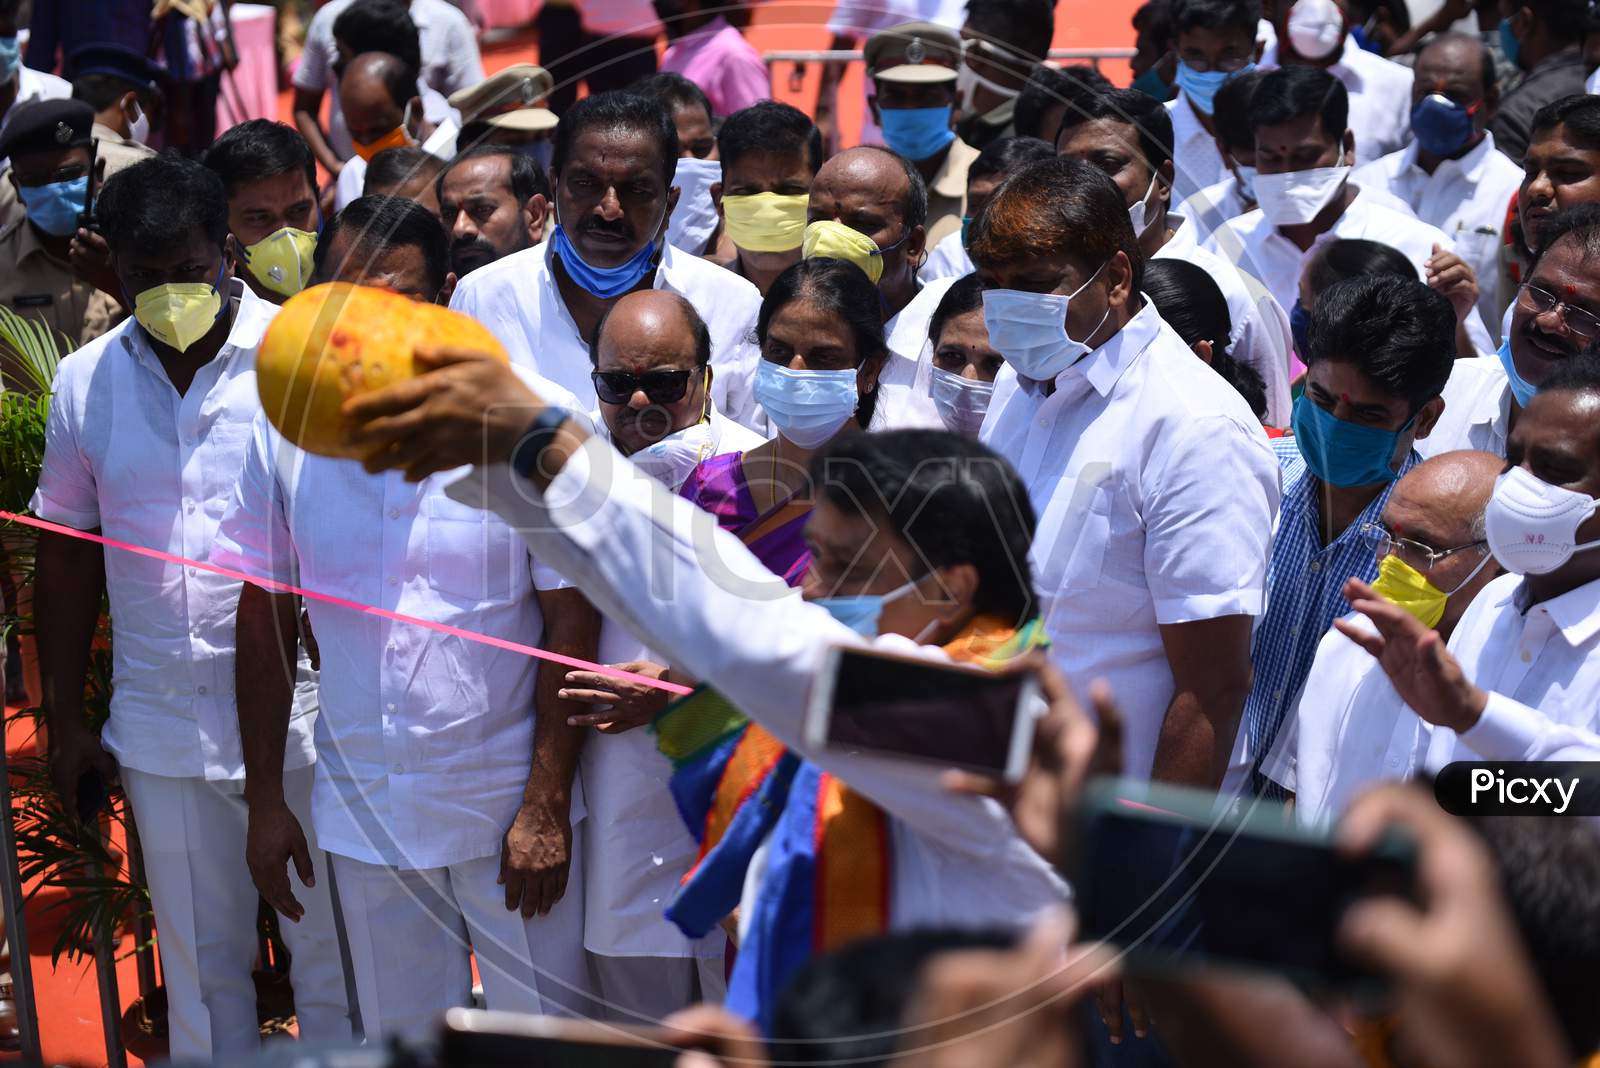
<point x="933" y="712"/>
<point x="1161" y="875"/>
<point x="474" y="1038"/>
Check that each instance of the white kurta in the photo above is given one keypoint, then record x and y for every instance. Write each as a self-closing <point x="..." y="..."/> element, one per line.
<point x="1196" y="163"/>
<point x="948" y="259"/>
<point x="1477" y="410"/>
<point x="903" y="398"/>
<point x="1380" y="98"/>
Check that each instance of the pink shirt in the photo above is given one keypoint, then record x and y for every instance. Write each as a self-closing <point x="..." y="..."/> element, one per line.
<point x="725" y="66"/>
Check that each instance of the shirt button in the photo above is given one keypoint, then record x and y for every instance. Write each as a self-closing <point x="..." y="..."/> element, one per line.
<point x="1527" y="657"/>
<point x="1316" y="565"/>
<point x="201" y="690"/>
<point x="188" y="506"/>
<point x="397" y="769"/>
<point x="390" y="706"/>
<point x="394" y="513"/>
<point x="1277" y="695"/>
<point x="393" y="581"/>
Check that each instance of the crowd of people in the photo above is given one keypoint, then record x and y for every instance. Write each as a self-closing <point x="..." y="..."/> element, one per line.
<point x="1253" y="408"/>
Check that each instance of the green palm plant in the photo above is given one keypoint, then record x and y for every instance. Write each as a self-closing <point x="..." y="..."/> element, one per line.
<point x="56" y="852"/>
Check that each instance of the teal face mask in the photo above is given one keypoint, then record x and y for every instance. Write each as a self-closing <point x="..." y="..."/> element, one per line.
<point x="1150" y="84"/>
<point x="1509" y="43"/>
<point x="966" y="225"/>
<point x="1347" y="454"/>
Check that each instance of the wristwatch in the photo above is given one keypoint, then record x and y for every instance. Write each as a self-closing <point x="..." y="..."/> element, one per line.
<point x="541" y="432"/>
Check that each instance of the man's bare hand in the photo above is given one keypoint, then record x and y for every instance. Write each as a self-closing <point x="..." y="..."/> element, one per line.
<point x="273" y="840"/>
<point x="75" y="752"/>
<point x="535" y="858"/>
<point x="1451" y="277"/>
<point x="632" y="704"/>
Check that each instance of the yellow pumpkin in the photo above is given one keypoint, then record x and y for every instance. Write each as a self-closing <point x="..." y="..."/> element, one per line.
<point x="335" y="341"/>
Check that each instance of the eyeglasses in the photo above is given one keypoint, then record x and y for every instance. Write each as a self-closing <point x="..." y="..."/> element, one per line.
<point x="1225" y="65"/>
<point x="1579" y="323"/>
<point x="660" y="387"/>
<point x="1384" y="543"/>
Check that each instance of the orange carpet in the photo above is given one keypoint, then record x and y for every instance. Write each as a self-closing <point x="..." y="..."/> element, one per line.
<point x="69" y="1008"/>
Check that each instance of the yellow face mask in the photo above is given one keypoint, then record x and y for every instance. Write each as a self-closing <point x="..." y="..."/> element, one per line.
<point x="1405" y="587"/>
<point x="766" y="222"/>
<point x="825" y="237"/>
<point x="178" y="313"/>
<point x="282" y="261"/>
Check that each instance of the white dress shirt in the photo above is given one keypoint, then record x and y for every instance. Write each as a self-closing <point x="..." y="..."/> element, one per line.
<point x="450" y="59"/>
<point x="1466" y="198"/>
<point x="954" y="860"/>
<point x="1477" y="410"/>
<point x="1261" y="336"/>
<point x="1540" y="665"/>
<point x="948" y="259"/>
<point x="1212" y="206"/>
<point x="424" y="739"/>
<point x="1380" y="98"/>
<point x="1196" y="163"/>
<point x="1155" y="491"/>
<point x="517" y="298"/>
<point x="125" y="453"/>
<point x="903" y="397"/>
<point x="1349" y="731"/>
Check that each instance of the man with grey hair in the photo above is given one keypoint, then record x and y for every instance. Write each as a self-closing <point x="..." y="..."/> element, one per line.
<point x="1351" y="729"/>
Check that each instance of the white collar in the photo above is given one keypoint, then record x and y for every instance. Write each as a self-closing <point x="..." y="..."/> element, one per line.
<point x="1471" y="165"/>
<point x="1102" y="367"/>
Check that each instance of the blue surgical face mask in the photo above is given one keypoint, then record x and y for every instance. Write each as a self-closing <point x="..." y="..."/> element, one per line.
<point x="807" y="407"/>
<point x="55" y="208"/>
<point x="1300" y="328"/>
<point x="1347" y="454"/>
<point x="1150" y="84"/>
<point x="916" y="133"/>
<point x="1440" y="125"/>
<point x="1521" y="388"/>
<point x="10" y="57"/>
<point x="1509" y="44"/>
<point x="1201" y="86"/>
<point x="861" y="612"/>
<point x="1030" y="330"/>
<point x="603" y="282"/>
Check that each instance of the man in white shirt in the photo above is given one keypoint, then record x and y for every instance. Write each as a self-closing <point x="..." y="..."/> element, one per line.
<point x="1129" y="136"/>
<point x="1522" y="676"/>
<point x="148" y="427"/>
<point x="612" y="166"/>
<point x="1216" y="40"/>
<point x="1554" y="318"/>
<point x="1154" y="485"/>
<point x="1312" y="33"/>
<point x="447" y="792"/>
<point x="1235" y="193"/>
<point x="1350" y="728"/>
<point x="1450" y="174"/>
<point x="449" y="60"/>
<point x="1304" y="155"/>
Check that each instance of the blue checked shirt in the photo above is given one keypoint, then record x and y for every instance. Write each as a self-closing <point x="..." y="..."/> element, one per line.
<point x="1304" y="580"/>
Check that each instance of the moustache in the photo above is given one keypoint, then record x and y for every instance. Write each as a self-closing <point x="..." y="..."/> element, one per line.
<point x="619" y="228"/>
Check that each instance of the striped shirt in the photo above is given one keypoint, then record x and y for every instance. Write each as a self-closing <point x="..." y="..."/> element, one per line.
<point x="1304" y="583"/>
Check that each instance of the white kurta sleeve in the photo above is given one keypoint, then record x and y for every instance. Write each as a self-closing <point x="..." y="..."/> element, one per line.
<point x="1511" y="730"/>
<point x="67" y="492"/>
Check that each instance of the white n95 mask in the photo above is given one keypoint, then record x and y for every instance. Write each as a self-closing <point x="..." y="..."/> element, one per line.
<point x="694" y="219"/>
<point x="806" y="407"/>
<point x="1030" y="329"/>
<point x="1297" y="196"/>
<point x="1532" y="526"/>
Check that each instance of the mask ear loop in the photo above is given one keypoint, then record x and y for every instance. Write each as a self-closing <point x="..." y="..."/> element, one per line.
<point x="1487" y="556"/>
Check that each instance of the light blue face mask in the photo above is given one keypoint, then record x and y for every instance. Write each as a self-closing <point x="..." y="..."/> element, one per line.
<point x="916" y="133"/>
<point x="10" y="57"/>
<point x="1201" y="86"/>
<point x="605" y="282"/>
<point x="1030" y="329"/>
<point x="55" y="208"/>
<point x="1521" y="388"/>
<point x="806" y="407"/>
<point x="863" y="611"/>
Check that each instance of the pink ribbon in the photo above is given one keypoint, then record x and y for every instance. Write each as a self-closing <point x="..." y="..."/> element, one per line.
<point x="355" y="606"/>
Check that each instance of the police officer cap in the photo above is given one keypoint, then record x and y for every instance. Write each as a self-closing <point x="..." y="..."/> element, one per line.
<point x="45" y="126"/>
<point x="117" y="61"/>
<point x="913" y="52"/>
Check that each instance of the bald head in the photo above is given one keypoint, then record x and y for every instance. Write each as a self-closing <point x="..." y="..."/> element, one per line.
<point x="1444" y="497"/>
<point x="374" y="92"/>
<point x="873" y="175"/>
<point x="651" y="354"/>
<point x="1458" y="66"/>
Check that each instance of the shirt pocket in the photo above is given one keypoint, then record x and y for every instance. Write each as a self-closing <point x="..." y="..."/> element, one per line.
<point x="1077" y="536"/>
<point x="472" y="556"/>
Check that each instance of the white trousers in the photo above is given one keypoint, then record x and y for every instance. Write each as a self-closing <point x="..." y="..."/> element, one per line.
<point x="646" y="990"/>
<point x="413" y="933"/>
<point x="192" y="836"/>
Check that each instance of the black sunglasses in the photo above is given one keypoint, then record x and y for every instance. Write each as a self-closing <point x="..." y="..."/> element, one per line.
<point x="661" y="387"/>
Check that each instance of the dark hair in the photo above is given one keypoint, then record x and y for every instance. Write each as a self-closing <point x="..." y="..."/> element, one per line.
<point x="1191" y="303"/>
<point x="394" y="167"/>
<point x="1578" y="225"/>
<point x="847" y="1006"/>
<point x="769" y="127"/>
<point x="526" y="177"/>
<point x="1485" y="60"/>
<point x="673" y="91"/>
<point x="1397" y="332"/>
<point x="1216" y="15"/>
<point x="1154" y="19"/>
<point x="101" y="90"/>
<point x="697" y="330"/>
<point x="1567" y="20"/>
<point x="1146" y="115"/>
<point x="378" y="224"/>
<point x="1580" y="373"/>
<point x="1004" y="155"/>
<point x="257" y="149"/>
<point x="1355" y="257"/>
<point x="965" y="295"/>
<point x="914" y="208"/>
<point x="617" y="110"/>
<point x="1024" y="27"/>
<point x="1056" y="207"/>
<point x="1294" y="92"/>
<point x="843" y="289"/>
<point x="1231" y="110"/>
<point x="952" y="499"/>
<point x="1579" y="113"/>
<point x="1048" y="86"/>
<point x="154" y="204"/>
<point x="1550" y="871"/>
<point x="381" y="26"/>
